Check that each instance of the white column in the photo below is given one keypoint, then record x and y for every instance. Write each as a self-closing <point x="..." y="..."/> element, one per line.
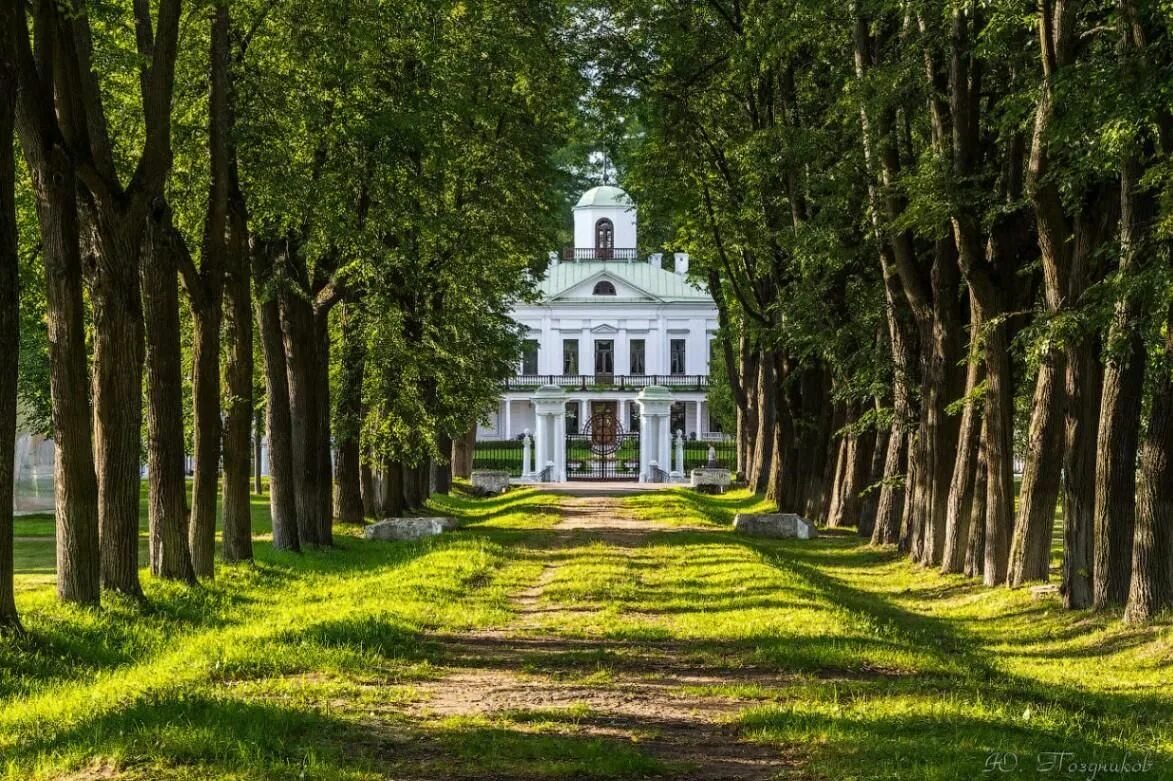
<point x="541" y="442"/>
<point x="699" y="430"/>
<point x="526" y="462"/>
<point x="622" y="413"/>
<point x="559" y="448"/>
<point x="678" y="461"/>
<point x="665" y="453"/>
<point x="508" y="419"/>
<point x="582" y="415"/>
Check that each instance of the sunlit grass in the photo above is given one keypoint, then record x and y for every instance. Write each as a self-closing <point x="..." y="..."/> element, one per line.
<point x="270" y="667"/>
<point x="888" y="670"/>
<point x="852" y="662"/>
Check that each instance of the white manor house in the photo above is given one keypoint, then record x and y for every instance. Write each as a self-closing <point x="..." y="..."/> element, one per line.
<point x="608" y="325"/>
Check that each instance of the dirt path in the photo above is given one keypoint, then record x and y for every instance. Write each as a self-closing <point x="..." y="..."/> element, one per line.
<point x="644" y="698"/>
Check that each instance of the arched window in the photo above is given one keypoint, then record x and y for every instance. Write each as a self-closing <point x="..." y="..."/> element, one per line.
<point x="604" y="239"/>
<point x="604" y="288"/>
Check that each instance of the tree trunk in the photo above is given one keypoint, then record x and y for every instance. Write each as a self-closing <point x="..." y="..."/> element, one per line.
<point x="463" y="449"/>
<point x="1030" y="548"/>
<point x="74" y="479"/>
<point x="960" y="509"/>
<point x="392" y="495"/>
<point x="258" y="453"/>
<point x="238" y="403"/>
<point x="975" y="545"/>
<point x="167" y="483"/>
<point x="890" y="507"/>
<point x="1123" y="392"/>
<point x="1152" y="551"/>
<point x="206" y="426"/>
<point x="9" y="335"/>
<point x="763" y="447"/>
<point x="442" y="469"/>
<point x="816" y="392"/>
<point x="839" y="481"/>
<point x="747" y="419"/>
<point x="116" y="306"/>
<point x="999" y="453"/>
<point x="348" y="493"/>
<point x="301" y="350"/>
<point x="278" y="422"/>
<point x="321" y="369"/>
<point x="370" y="503"/>
<point x="1079" y="472"/>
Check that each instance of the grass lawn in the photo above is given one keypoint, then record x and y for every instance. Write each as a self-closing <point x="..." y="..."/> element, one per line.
<point x="845" y="660"/>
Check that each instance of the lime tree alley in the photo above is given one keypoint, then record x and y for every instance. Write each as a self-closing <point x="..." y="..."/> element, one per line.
<point x="303" y="218"/>
<point x="939" y="237"/>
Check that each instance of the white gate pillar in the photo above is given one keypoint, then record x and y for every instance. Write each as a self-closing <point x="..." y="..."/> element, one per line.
<point x="655" y="407"/>
<point x="550" y="414"/>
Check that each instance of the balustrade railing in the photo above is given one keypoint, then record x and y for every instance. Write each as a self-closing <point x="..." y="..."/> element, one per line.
<point x="623" y="254"/>
<point x="632" y="382"/>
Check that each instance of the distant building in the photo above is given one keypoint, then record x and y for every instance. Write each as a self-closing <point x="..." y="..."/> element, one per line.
<point x="610" y="323"/>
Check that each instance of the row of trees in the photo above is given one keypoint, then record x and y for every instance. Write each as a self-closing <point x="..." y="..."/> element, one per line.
<point x="939" y="236"/>
<point x="310" y="212"/>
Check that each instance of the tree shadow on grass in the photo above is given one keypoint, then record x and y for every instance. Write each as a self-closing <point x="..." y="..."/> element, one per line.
<point x="978" y="680"/>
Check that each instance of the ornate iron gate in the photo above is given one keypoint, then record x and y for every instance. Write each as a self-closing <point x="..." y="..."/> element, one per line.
<point x="602" y="450"/>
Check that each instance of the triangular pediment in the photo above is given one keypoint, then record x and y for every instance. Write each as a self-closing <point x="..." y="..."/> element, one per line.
<point x="625" y="290"/>
<point x="604" y="328"/>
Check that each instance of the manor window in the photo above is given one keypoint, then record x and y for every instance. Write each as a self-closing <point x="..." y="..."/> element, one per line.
<point x="637" y="366"/>
<point x="570" y="356"/>
<point x="529" y="357"/>
<point x="677" y="365"/>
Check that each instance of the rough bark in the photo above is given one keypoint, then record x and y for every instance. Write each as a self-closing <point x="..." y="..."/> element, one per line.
<point x="1151" y="589"/>
<point x="74" y="479"/>
<point x="300" y="344"/>
<point x="1123" y="390"/>
<point x="370" y="499"/>
<point x="348" y="494"/>
<point x="9" y="323"/>
<point x="442" y="468"/>
<point x="960" y="510"/>
<point x="207" y="428"/>
<point x="763" y="447"/>
<point x="1030" y="547"/>
<point x="238" y="373"/>
<point x="391" y="499"/>
<point x="238" y="402"/>
<point x="321" y="378"/>
<point x="975" y="545"/>
<point x="875" y="474"/>
<point x="463" y="450"/>
<point x="278" y="423"/>
<point x="1079" y="470"/>
<point x="167" y="483"/>
<point x="999" y="454"/>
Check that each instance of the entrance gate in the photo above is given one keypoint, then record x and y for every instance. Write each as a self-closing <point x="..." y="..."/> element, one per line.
<point x="602" y="450"/>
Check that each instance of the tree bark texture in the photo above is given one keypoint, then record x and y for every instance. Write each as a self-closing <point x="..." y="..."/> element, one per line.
<point x="238" y="401"/>
<point x="9" y="327"/>
<point x="1151" y="589"/>
<point x="348" y="494"/>
<point x="1030" y="547"/>
<point x="170" y="554"/>
<point x="278" y="422"/>
<point x="301" y="351"/>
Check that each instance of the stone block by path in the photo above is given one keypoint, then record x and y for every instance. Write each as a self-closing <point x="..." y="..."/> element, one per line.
<point x="408" y="528"/>
<point x="490" y="481"/>
<point x="711" y="479"/>
<point x="777" y="525"/>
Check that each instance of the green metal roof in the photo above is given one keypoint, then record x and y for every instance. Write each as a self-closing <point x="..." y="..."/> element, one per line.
<point x="604" y="196"/>
<point x="657" y="283"/>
